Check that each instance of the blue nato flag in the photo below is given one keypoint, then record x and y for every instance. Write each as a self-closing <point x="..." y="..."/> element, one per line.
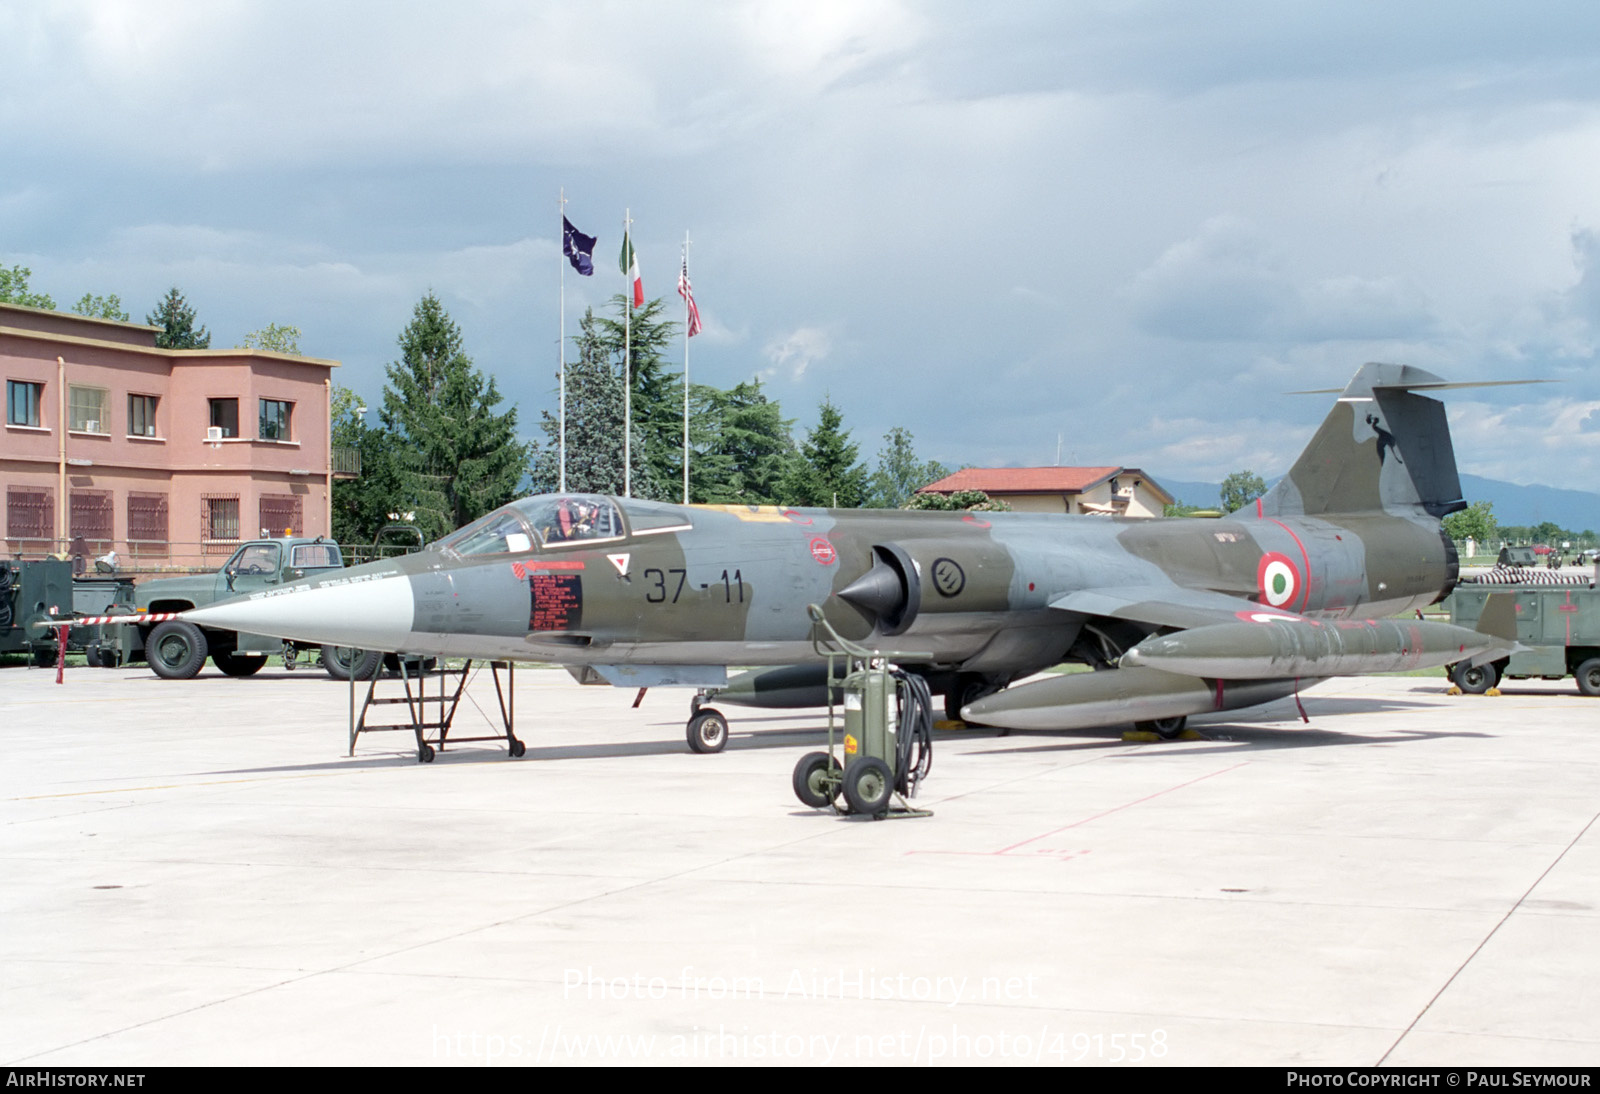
<point x="578" y="248"/>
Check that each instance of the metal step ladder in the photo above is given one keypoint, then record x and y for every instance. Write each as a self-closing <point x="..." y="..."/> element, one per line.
<point x="431" y="712"/>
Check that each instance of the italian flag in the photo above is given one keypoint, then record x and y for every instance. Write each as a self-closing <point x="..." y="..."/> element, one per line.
<point x="630" y="269"/>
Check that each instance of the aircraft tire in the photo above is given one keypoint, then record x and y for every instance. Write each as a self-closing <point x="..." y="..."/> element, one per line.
<point x="1588" y="675"/>
<point x="1475" y="679"/>
<point x="816" y="779"/>
<point x="707" y="731"/>
<point x="868" y="783"/>
<point x="1168" y="729"/>
<point x="176" y="649"/>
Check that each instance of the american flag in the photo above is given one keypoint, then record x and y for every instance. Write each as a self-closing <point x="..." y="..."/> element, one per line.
<point x="688" y="298"/>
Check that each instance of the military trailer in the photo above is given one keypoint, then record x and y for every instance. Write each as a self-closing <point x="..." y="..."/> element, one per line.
<point x="176" y="649"/>
<point x="35" y="591"/>
<point x="1560" y="625"/>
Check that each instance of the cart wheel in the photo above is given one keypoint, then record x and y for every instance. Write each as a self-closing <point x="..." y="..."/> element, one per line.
<point x="425" y="754"/>
<point x="1588" y="675"/>
<point x="1476" y="679"/>
<point x="708" y="731"/>
<point x="517" y="749"/>
<point x="816" y="779"/>
<point x="1168" y="729"/>
<point x="867" y="786"/>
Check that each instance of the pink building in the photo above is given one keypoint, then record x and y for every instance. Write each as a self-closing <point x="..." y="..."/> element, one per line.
<point x="168" y="457"/>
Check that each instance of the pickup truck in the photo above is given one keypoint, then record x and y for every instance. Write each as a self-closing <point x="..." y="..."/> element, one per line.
<point x="176" y="649"/>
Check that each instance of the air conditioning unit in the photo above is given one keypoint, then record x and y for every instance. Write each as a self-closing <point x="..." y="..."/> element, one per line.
<point x="92" y="425"/>
<point x="213" y="433"/>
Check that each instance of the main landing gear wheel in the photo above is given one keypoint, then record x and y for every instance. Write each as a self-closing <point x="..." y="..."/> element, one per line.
<point x="1588" y="675"/>
<point x="816" y="779"/>
<point x="1168" y="729"/>
<point x="1475" y="679"/>
<point x="868" y="783"/>
<point x="176" y="649"/>
<point x="708" y="731"/>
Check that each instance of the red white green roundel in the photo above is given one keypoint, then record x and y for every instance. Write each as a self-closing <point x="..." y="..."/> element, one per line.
<point x="1277" y="579"/>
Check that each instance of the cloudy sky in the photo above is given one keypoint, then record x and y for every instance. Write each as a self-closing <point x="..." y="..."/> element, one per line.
<point x="1125" y="228"/>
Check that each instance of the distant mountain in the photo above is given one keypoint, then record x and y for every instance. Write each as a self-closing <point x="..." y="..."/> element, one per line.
<point x="1574" y="510"/>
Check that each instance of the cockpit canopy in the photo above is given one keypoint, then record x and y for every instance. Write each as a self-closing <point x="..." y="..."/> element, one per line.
<point x="545" y="519"/>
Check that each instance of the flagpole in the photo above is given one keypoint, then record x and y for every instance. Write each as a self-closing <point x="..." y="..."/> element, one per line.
<point x="627" y="364"/>
<point x="561" y="341"/>
<point x="686" y="374"/>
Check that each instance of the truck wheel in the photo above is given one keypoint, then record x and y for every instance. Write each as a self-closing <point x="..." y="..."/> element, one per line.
<point x="44" y="656"/>
<point x="1475" y="679"/>
<point x="342" y="662"/>
<point x="176" y="649"/>
<point x="238" y="664"/>
<point x="1588" y="675"/>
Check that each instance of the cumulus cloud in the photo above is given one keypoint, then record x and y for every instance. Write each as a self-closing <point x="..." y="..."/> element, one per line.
<point x="791" y="354"/>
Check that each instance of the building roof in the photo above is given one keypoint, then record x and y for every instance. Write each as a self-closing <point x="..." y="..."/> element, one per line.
<point x="1036" y="480"/>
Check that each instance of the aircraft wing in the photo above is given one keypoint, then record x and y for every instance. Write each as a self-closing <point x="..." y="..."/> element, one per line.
<point x="1164" y="605"/>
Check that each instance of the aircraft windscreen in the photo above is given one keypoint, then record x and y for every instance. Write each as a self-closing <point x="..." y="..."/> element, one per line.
<point x="645" y="517"/>
<point x="566" y="518"/>
<point x="501" y="532"/>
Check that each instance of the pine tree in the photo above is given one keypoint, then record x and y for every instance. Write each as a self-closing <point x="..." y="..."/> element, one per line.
<point x="457" y="458"/>
<point x="826" y="474"/>
<point x="594" y="424"/>
<point x="742" y="446"/>
<point x="657" y="395"/>
<point x="176" y="319"/>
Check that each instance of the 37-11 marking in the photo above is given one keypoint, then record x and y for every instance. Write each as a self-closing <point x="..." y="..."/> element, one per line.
<point x="657" y="592"/>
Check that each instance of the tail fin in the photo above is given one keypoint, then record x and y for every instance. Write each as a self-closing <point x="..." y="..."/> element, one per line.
<point x="1383" y="448"/>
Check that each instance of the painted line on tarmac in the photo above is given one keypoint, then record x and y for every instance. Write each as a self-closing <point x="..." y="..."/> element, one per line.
<point x="171" y="786"/>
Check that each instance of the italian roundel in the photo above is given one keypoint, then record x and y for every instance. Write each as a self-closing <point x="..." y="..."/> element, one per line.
<point x="1277" y="579"/>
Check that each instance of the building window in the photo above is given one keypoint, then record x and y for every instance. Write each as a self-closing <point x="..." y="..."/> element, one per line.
<point x="91" y="518"/>
<point x="275" y="419"/>
<point x="22" y="402"/>
<point x="30" y="514"/>
<point x="147" y="522"/>
<point x="86" y="409"/>
<point x="219" y="517"/>
<point x="142" y="415"/>
<point x="225" y="416"/>
<point x="280" y="515"/>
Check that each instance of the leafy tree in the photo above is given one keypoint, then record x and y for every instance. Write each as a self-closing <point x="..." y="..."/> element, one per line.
<point x="457" y="458"/>
<point x="826" y="474"/>
<point x="594" y="424"/>
<point x="177" y="322"/>
<point x="975" y="500"/>
<point x="900" y="474"/>
<point x="362" y="505"/>
<point x="741" y="446"/>
<point x="274" y="337"/>
<point x="1240" y="489"/>
<point x="14" y="289"/>
<point x="1475" y="522"/>
<point x="101" y="307"/>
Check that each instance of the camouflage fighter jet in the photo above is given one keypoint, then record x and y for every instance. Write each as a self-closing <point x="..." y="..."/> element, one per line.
<point x="1193" y="615"/>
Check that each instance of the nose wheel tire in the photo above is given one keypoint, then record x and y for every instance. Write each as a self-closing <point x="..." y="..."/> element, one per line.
<point x="707" y="731"/>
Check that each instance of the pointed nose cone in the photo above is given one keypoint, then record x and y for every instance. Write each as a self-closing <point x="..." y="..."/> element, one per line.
<point x="368" y="615"/>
